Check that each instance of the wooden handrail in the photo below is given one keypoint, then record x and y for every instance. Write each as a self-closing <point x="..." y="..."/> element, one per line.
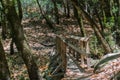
<point x="73" y="47"/>
<point x="79" y="38"/>
<point x="75" y="53"/>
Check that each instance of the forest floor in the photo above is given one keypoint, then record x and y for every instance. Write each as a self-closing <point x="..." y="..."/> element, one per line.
<point x="42" y="41"/>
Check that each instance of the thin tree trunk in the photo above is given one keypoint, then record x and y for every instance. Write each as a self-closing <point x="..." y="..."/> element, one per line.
<point x="95" y="27"/>
<point x="107" y="7"/>
<point x="56" y="11"/>
<point x="48" y="21"/>
<point x="78" y="16"/>
<point x="68" y="8"/>
<point x="4" y="70"/>
<point x="64" y="5"/>
<point x="20" y="9"/>
<point x="4" y="27"/>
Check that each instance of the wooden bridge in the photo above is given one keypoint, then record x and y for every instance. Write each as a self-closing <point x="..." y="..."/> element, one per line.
<point x="76" y="48"/>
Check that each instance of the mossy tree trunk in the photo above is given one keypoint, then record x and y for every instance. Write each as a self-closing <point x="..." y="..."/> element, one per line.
<point x="79" y="18"/>
<point x="19" y="39"/>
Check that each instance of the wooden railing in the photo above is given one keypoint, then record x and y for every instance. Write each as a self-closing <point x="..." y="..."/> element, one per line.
<point x="77" y="48"/>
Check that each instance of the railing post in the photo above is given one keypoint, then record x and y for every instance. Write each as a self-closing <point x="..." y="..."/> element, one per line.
<point x="88" y="51"/>
<point x="82" y="57"/>
<point x="61" y="49"/>
<point x="84" y="45"/>
<point x="63" y="55"/>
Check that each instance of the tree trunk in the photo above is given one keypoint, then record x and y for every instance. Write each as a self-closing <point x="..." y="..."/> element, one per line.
<point x="48" y="21"/>
<point x="20" y="41"/>
<point x="94" y="26"/>
<point x="20" y="9"/>
<point x="78" y="16"/>
<point x="64" y="5"/>
<point x="68" y="8"/>
<point x="4" y="70"/>
<point x="106" y="7"/>
<point x="4" y="27"/>
<point x="56" y="11"/>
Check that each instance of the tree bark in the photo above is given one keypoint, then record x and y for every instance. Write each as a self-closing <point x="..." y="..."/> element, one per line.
<point x="48" y="21"/>
<point x="64" y="5"/>
<point x="20" y="41"/>
<point x="4" y="70"/>
<point x="94" y="26"/>
<point x="20" y="9"/>
<point x="78" y="16"/>
<point x="56" y="11"/>
<point x="68" y="8"/>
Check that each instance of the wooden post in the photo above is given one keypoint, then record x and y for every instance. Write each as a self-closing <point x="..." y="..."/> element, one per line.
<point x="82" y="57"/>
<point x="84" y="46"/>
<point x="58" y="44"/>
<point x="61" y="49"/>
<point x="87" y="51"/>
<point x="63" y="55"/>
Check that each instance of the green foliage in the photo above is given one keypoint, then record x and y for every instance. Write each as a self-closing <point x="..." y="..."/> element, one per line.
<point x="110" y="40"/>
<point x="29" y="8"/>
<point x="46" y="5"/>
<point x="119" y="21"/>
<point x="95" y="46"/>
<point x="47" y="75"/>
<point x="94" y="1"/>
<point x="110" y="22"/>
<point x="114" y="9"/>
<point x="21" y="77"/>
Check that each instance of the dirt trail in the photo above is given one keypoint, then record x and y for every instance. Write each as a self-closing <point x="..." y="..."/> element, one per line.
<point x="40" y="38"/>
